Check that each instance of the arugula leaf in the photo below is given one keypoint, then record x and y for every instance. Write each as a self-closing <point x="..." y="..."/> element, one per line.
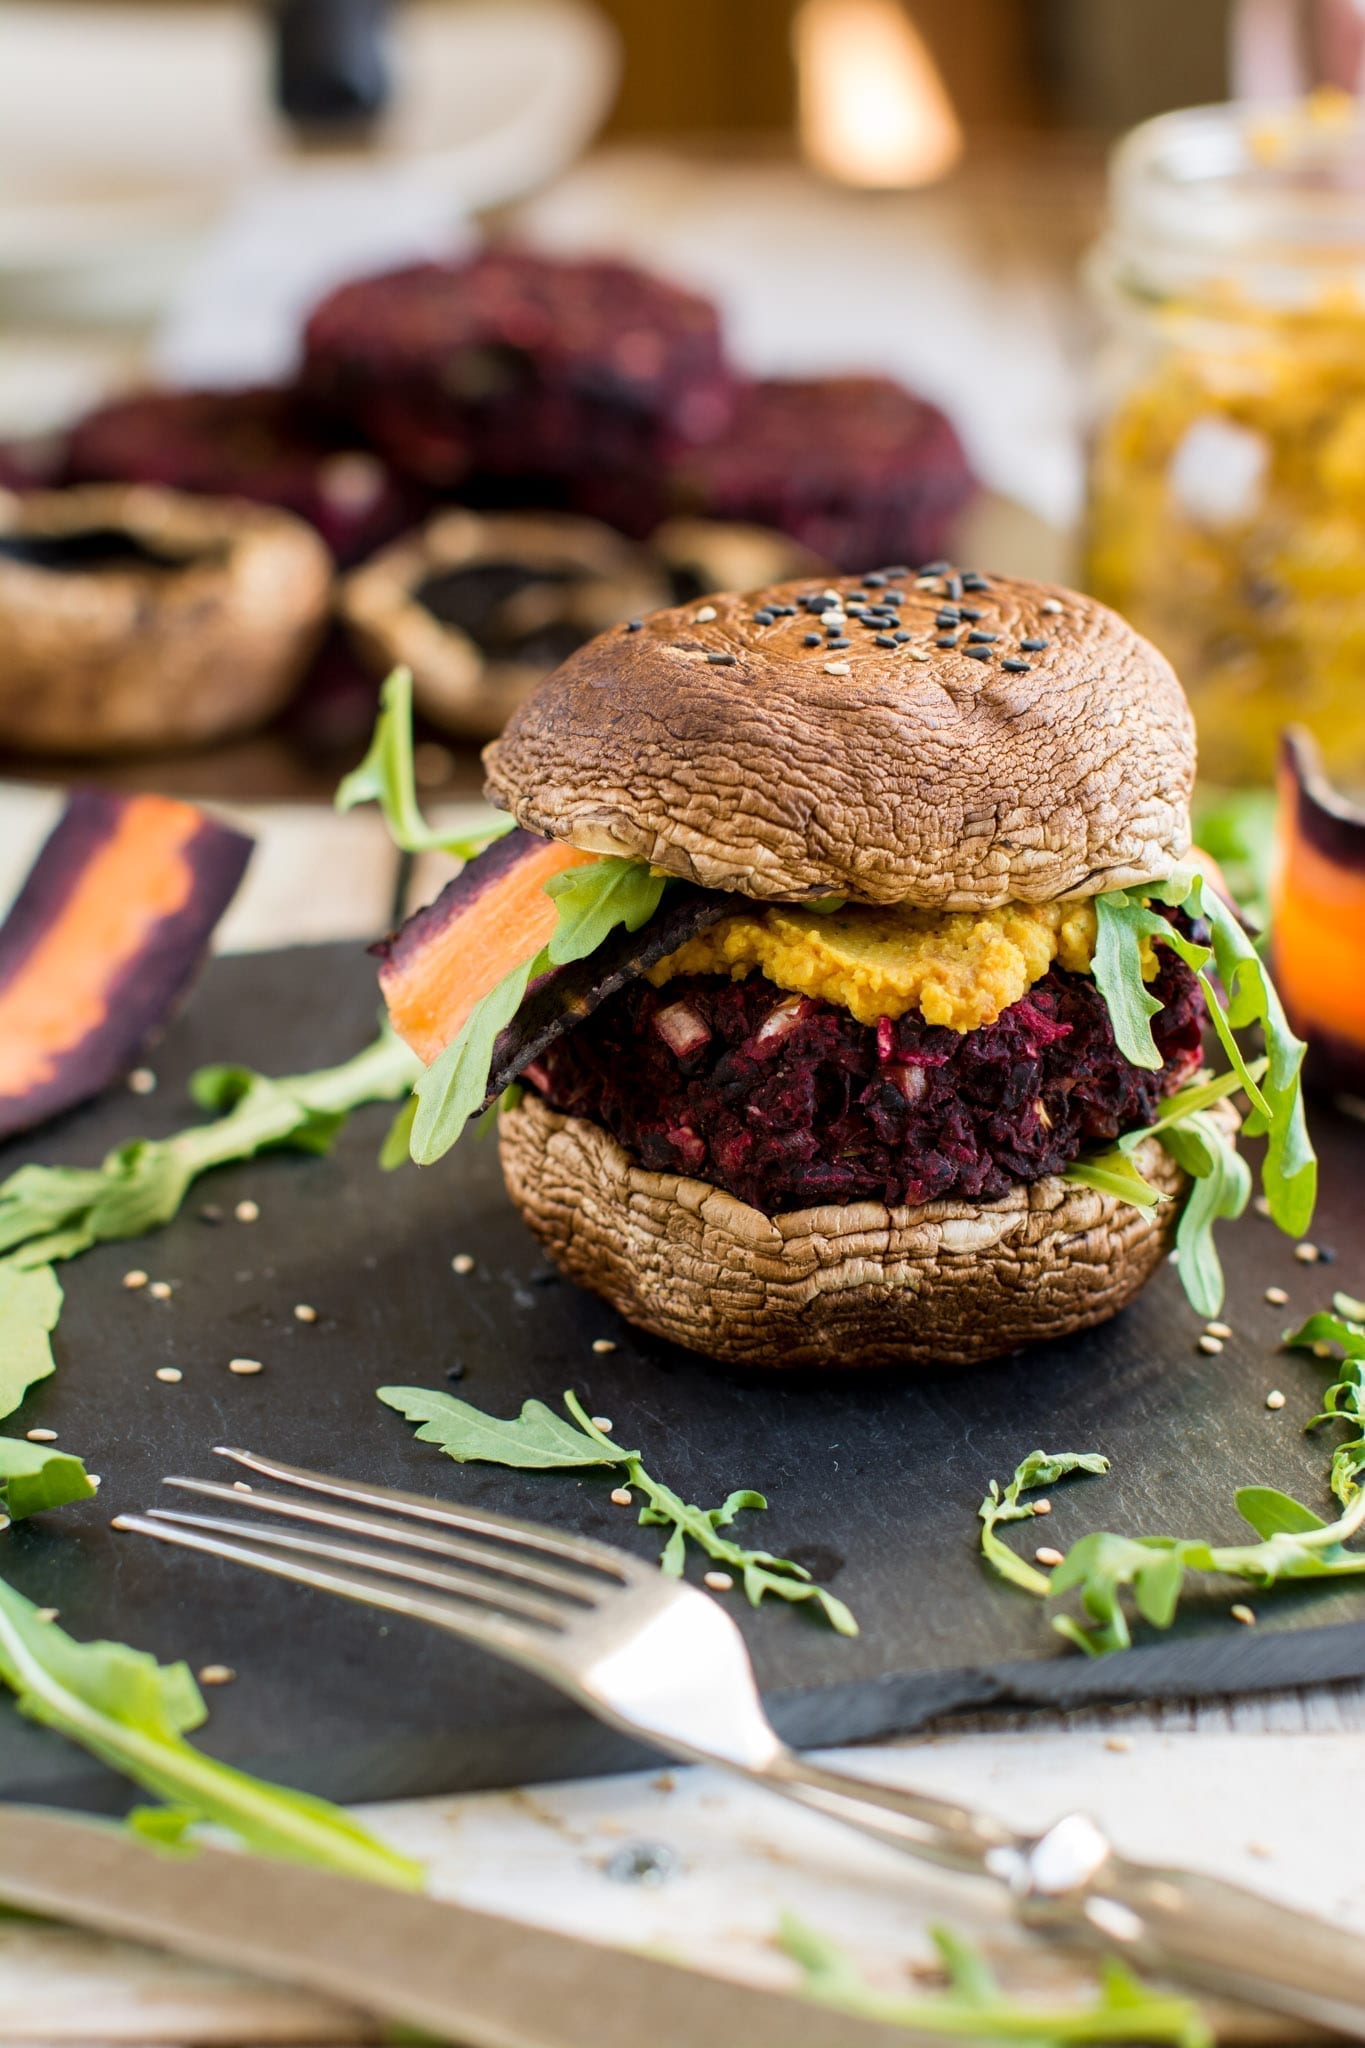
<point x="385" y="777"/>
<point x="591" y="900"/>
<point x="57" y="1211"/>
<point x="975" y="2008"/>
<point x="1222" y="1187"/>
<point x="1113" y="1171"/>
<point x="1344" y="1400"/>
<point x="1123" y="921"/>
<point x="1236" y="828"/>
<point x="35" y="1476"/>
<point x="540" y="1440"/>
<point x="30" y="1303"/>
<point x="1039" y="1468"/>
<point x="133" y="1714"/>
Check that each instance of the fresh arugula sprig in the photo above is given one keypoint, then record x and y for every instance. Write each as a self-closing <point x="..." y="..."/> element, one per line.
<point x="1125" y="919"/>
<point x="54" y="1212"/>
<point x="1294" y="1543"/>
<point x="538" y="1440"/>
<point x="1344" y="1401"/>
<point x="133" y="1714"/>
<point x="38" y="1476"/>
<point x="30" y="1304"/>
<point x="1038" y="1469"/>
<point x="591" y="899"/>
<point x="385" y="777"/>
<point x="973" y="2007"/>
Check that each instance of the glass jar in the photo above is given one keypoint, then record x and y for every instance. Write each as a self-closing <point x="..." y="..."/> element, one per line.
<point x="1226" y="505"/>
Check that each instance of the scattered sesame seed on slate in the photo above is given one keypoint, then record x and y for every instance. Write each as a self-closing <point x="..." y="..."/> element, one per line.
<point x="1274" y="1399"/>
<point x="634" y="625"/>
<point x="946" y="640"/>
<point x="900" y="638"/>
<point x="247" y="1212"/>
<point x="1276" y="1296"/>
<point x="885" y="640"/>
<point x="1035" y="645"/>
<point x="978" y="653"/>
<point x="456" y="1371"/>
<point x="983" y="638"/>
<point x="721" y="660"/>
<point x="811" y="640"/>
<point x="719" y="1582"/>
<point x="1016" y="668"/>
<point x="135" y="1278"/>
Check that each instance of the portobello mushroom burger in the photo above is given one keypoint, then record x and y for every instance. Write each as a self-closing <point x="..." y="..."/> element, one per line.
<point x="844" y="973"/>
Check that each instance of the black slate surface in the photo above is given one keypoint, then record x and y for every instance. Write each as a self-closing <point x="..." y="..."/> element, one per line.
<point x="873" y="1482"/>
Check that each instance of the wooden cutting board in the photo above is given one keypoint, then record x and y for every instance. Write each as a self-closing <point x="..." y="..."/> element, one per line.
<point x="873" y="1482"/>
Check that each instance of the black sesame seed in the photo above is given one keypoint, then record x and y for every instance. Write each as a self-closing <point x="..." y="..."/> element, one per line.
<point x="948" y="640"/>
<point x="874" y="582"/>
<point x="983" y="639"/>
<point x="810" y="639"/>
<point x="721" y="660"/>
<point x="971" y="581"/>
<point x="838" y="643"/>
<point x="885" y="640"/>
<point x="634" y="625"/>
<point x="949" y="616"/>
<point x="456" y="1371"/>
<point x="763" y="618"/>
<point x="931" y="569"/>
<point x="900" y="638"/>
<point x="978" y="653"/>
<point x="1016" y="668"/>
<point x="969" y="611"/>
<point x="955" y="586"/>
<point x="1034" y="646"/>
<point x="895" y="596"/>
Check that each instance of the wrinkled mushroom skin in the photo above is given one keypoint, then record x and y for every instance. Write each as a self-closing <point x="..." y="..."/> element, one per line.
<point x="950" y="1283"/>
<point x="199" y="629"/>
<point x="946" y="781"/>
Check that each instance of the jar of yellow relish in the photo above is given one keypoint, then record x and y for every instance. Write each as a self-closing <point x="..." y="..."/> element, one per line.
<point x="1226" y="505"/>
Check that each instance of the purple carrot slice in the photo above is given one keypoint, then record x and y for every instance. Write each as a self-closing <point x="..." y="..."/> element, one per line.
<point x="103" y="942"/>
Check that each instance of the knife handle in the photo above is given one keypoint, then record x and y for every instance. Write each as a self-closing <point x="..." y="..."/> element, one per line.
<point x="1195" y="1930"/>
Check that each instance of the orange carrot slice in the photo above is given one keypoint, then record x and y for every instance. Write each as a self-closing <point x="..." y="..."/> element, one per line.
<point x="1318" y="919"/>
<point x="446" y="958"/>
<point x="104" y="938"/>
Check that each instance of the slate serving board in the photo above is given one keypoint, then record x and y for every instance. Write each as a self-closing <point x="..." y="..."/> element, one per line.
<point x="873" y="1481"/>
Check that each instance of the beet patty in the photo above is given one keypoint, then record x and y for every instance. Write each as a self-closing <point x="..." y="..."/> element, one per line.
<point x="789" y="1102"/>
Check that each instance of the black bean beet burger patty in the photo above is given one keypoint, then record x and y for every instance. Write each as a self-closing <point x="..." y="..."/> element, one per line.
<point x="788" y="1102"/>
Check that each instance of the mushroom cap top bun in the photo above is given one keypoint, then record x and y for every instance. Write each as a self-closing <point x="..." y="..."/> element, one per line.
<point x="714" y="742"/>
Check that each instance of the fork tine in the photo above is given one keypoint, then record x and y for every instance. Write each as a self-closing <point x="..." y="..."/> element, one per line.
<point x="501" y="1560"/>
<point x="474" y="1521"/>
<point x="478" y="1625"/>
<point x="502" y="1599"/>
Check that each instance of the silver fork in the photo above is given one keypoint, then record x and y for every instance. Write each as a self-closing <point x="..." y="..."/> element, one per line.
<point x="660" y="1659"/>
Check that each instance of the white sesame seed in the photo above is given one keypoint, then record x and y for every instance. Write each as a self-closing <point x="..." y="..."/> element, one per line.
<point x="160" y="1290"/>
<point x="462" y="1263"/>
<point x="1274" y="1399"/>
<point x="1042" y="1507"/>
<point x="1051" y="605"/>
<point x="42" y="1436"/>
<point x="242" y="1486"/>
<point x="1173" y="1258"/>
<point x="704" y="616"/>
<point x="4" y="1520"/>
<point x="217" y="1674"/>
<point x="1211" y="1345"/>
<point x="1262" y="1849"/>
<point x="1276" y="1296"/>
<point x="1241" y="1612"/>
<point x="1118" y="1743"/>
<point x="135" y="1278"/>
<point x="719" y="1582"/>
<point x="1218" y="1329"/>
<point x="1262" y="1205"/>
<point x="1307" y="1254"/>
<point x="142" y="1081"/>
<point x="621" y="1496"/>
<point x="602" y="1422"/>
<point x="919" y="654"/>
<point x="303" y="1313"/>
<point x="46" y="1613"/>
<point x="1045" y="1554"/>
<point x="171" y="1374"/>
<point x="832" y="618"/>
<point x="247" y="1212"/>
<point x="602" y="1345"/>
<point x="245" y="1366"/>
<point x="837" y="668"/>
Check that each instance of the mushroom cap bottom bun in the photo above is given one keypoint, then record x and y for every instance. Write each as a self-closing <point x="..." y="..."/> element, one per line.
<point x="949" y="1283"/>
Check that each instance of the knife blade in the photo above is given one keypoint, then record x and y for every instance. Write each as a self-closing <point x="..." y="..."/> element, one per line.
<point x="466" y="1976"/>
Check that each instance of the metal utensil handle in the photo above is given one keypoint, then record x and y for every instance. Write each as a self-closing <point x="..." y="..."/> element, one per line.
<point x="1214" y="1937"/>
<point x="935" y="1830"/>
